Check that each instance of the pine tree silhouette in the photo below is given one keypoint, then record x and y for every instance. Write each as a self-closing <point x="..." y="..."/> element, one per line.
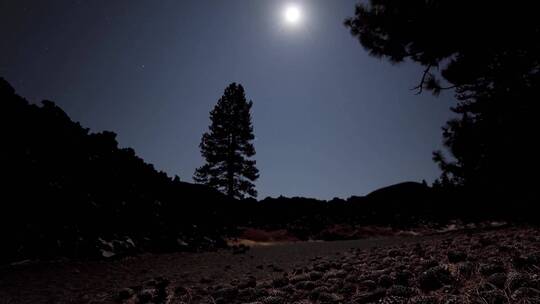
<point x="228" y="148"/>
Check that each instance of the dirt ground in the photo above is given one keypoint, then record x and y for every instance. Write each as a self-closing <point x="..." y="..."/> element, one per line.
<point x="95" y="281"/>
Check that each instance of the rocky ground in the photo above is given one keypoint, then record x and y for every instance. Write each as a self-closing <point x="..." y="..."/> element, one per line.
<point x="485" y="267"/>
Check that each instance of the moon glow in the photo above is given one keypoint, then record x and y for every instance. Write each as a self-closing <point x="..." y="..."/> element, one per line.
<point x="292" y="14"/>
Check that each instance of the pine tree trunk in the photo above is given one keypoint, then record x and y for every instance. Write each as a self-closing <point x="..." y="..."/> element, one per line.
<point x="230" y="169"/>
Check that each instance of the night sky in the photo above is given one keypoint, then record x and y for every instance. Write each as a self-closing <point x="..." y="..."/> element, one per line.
<point x="329" y="119"/>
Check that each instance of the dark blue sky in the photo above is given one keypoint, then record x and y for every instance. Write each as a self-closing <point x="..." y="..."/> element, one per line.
<point x="329" y="119"/>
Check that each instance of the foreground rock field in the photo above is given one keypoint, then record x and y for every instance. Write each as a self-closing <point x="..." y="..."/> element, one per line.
<point x="484" y="267"/>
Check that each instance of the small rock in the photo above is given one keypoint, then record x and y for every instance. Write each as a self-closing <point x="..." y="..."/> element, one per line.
<point x="517" y="280"/>
<point x="418" y="250"/>
<point x="369" y="297"/>
<point x="249" y="282"/>
<point x="299" y="277"/>
<point x="205" y="280"/>
<point x="326" y="297"/>
<point x="526" y="293"/>
<point x="316" y="292"/>
<point x="335" y="274"/>
<point x="430" y="263"/>
<point x="401" y="291"/>
<point x="452" y="299"/>
<point x="393" y="300"/>
<point x="305" y="285"/>
<point x="273" y="300"/>
<point x="226" y="292"/>
<point x="260" y="292"/>
<point x="484" y="241"/>
<point x="369" y="284"/>
<point x="385" y="281"/>
<point x="497" y="279"/>
<point x="424" y="300"/>
<point x="434" y="278"/>
<point x="277" y="293"/>
<point x="455" y="256"/>
<point x="280" y="282"/>
<point x="322" y="267"/>
<point x="147" y="295"/>
<point x="465" y="269"/>
<point x="125" y="294"/>
<point x="494" y="297"/>
<point x="394" y="253"/>
<point x="534" y="258"/>
<point x="491" y="268"/>
<point x="315" y="275"/>
<point x="403" y="277"/>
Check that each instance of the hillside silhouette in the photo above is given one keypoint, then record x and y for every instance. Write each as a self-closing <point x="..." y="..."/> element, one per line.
<point x="72" y="191"/>
<point x="77" y="193"/>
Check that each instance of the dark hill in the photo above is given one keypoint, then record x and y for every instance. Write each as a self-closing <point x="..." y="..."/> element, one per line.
<point x="68" y="191"/>
<point x="406" y="191"/>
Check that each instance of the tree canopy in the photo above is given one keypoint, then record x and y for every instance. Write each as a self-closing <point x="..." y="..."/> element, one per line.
<point x="466" y="41"/>
<point x="489" y="54"/>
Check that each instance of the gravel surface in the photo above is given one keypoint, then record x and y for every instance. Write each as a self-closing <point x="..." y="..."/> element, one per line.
<point x="495" y="266"/>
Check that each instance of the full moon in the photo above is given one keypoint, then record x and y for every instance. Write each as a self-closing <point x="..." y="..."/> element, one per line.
<point x="292" y="14"/>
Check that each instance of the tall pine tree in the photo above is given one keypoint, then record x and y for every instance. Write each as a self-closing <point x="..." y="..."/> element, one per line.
<point x="227" y="147"/>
